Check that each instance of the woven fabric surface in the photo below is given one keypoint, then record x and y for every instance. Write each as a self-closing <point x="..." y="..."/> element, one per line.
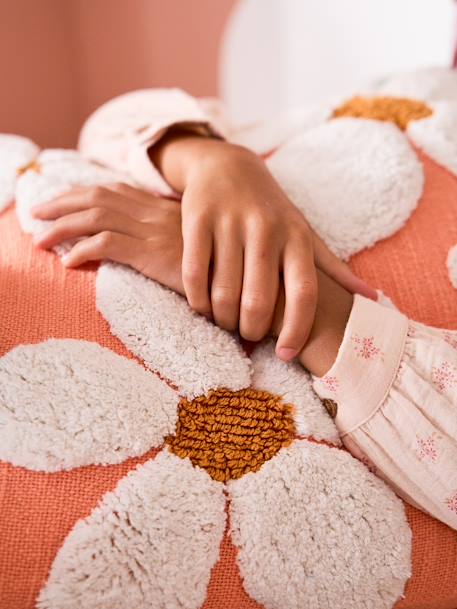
<point x="410" y="267"/>
<point x="40" y="299"/>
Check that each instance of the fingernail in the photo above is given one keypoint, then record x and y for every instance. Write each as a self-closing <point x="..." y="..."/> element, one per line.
<point x="65" y="259"/>
<point x="286" y="353"/>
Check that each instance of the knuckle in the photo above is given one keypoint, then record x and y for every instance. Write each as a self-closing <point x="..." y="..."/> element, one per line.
<point x="255" y="305"/>
<point x="192" y="273"/>
<point x="59" y="228"/>
<point x="228" y="224"/>
<point x="305" y="292"/>
<point x="97" y="214"/>
<point x="301" y="232"/>
<point x="223" y="297"/>
<point x="198" y="221"/>
<point x="59" y="225"/>
<point x="95" y="193"/>
<point x="263" y="225"/>
<point x="105" y="239"/>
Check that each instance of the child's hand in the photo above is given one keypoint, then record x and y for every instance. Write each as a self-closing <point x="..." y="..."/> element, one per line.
<point x="120" y="223"/>
<point x="133" y="227"/>
<point x="235" y="214"/>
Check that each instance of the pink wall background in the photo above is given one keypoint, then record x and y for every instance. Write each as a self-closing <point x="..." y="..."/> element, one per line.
<point x="60" y="59"/>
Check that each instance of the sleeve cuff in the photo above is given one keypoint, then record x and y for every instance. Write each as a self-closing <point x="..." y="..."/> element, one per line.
<point x="147" y="173"/>
<point x="366" y="364"/>
<point x="120" y="133"/>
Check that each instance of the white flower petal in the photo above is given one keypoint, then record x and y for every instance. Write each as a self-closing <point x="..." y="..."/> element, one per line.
<point x="151" y="543"/>
<point x="68" y="403"/>
<point x="59" y="171"/>
<point x="15" y="152"/>
<point x="158" y="326"/>
<point x="437" y="135"/>
<point x="293" y="383"/>
<point x="267" y="135"/>
<point x="452" y="265"/>
<point x="427" y="84"/>
<point x="313" y="526"/>
<point x="357" y="181"/>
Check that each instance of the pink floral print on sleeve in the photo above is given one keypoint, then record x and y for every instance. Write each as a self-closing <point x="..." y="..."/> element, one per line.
<point x="427" y="447"/>
<point x="366" y="348"/>
<point x="444" y="376"/>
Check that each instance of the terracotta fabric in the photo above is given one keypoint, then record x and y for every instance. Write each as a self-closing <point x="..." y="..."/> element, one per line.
<point x="40" y="299"/>
<point x="410" y="267"/>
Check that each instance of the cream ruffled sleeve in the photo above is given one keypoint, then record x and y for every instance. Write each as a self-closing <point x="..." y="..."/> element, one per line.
<point x="119" y="133"/>
<point x="393" y="393"/>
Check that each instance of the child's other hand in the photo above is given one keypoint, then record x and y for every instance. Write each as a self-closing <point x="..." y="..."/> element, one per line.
<point x="334" y="306"/>
<point x="118" y="223"/>
<point x="235" y="214"/>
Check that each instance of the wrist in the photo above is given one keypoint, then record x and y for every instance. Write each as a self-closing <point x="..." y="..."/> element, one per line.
<point x="332" y="314"/>
<point x="319" y="353"/>
<point x="183" y="155"/>
<point x="171" y="155"/>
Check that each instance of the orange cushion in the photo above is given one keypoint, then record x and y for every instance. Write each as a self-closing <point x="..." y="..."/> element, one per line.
<point x="38" y="510"/>
<point x="411" y="268"/>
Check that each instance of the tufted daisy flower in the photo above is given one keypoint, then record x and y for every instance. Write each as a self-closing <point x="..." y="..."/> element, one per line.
<point x="230" y="447"/>
<point x="354" y="169"/>
<point x="218" y="469"/>
<point x="244" y="444"/>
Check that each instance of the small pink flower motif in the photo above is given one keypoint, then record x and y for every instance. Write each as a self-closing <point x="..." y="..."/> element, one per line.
<point x="331" y="383"/>
<point x="451" y="502"/>
<point x="426" y="448"/>
<point x="450" y="338"/>
<point x="366" y="348"/>
<point x="444" y="377"/>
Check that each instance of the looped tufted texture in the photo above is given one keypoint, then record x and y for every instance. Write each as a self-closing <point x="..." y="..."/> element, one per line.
<point x="230" y="433"/>
<point x="312" y="527"/>
<point x="398" y="110"/>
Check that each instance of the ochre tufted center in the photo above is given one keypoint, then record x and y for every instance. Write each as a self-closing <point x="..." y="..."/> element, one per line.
<point x="397" y="110"/>
<point x="231" y="433"/>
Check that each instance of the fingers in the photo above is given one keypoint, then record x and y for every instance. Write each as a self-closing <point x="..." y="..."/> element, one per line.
<point x="196" y="258"/>
<point x="89" y="222"/>
<point x="227" y="280"/>
<point x="106" y="245"/>
<point x="340" y="271"/>
<point x="87" y="198"/>
<point x="300" y="284"/>
<point x="260" y="288"/>
<point x="135" y="194"/>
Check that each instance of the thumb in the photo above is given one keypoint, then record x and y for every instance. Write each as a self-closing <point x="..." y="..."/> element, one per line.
<point x="340" y="271"/>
